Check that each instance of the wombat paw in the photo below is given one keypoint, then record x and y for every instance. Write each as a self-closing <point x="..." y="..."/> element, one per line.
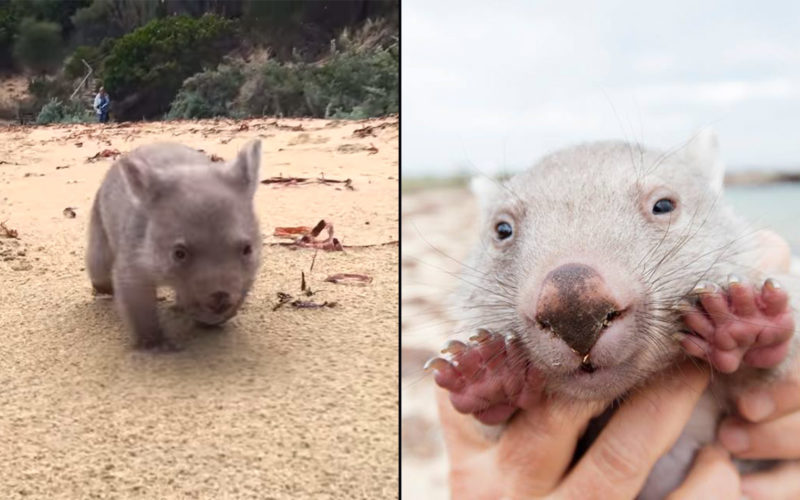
<point x="740" y="325"/>
<point x="486" y="378"/>
<point x="102" y="289"/>
<point x="156" y="344"/>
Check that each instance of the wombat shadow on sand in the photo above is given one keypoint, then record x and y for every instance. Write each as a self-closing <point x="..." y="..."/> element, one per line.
<point x="220" y="344"/>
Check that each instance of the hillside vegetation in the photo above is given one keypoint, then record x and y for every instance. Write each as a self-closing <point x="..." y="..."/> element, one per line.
<point x="201" y="58"/>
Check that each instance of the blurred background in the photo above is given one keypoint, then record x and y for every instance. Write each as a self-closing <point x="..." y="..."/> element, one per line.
<point x="489" y="88"/>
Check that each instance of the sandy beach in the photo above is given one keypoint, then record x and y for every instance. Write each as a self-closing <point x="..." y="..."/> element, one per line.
<point x="287" y="403"/>
<point x="438" y="227"/>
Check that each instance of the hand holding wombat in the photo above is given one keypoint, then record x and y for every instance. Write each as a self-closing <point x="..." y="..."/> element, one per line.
<point x="591" y="260"/>
<point x="166" y="215"/>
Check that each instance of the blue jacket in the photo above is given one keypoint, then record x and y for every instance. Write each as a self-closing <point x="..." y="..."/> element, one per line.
<point x="101" y="103"/>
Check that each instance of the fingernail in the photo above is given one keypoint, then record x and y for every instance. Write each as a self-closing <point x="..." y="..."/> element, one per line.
<point x="453" y="347"/>
<point x="757" y="406"/>
<point x="734" y="438"/>
<point x="704" y="287"/>
<point x="677" y="336"/>
<point x="481" y="337"/>
<point x="772" y="283"/>
<point x="434" y="364"/>
<point x="734" y="279"/>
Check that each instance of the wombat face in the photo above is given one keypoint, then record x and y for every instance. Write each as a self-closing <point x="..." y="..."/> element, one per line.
<point x="586" y="258"/>
<point x="202" y="237"/>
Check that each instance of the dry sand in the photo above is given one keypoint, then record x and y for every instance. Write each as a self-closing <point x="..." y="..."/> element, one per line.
<point x="438" y="229"/>
<point x="284" y="404"/>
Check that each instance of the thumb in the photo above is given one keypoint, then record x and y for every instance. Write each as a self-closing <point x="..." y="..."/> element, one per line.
<point x="538" y="446"/>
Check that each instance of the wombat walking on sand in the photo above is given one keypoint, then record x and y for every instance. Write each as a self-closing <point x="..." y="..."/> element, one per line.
<point x="167" y="215"/>
<point x="597" y="268"/>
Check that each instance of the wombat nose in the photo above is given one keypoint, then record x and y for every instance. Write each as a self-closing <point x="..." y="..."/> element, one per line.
<point x="219" y="302"/>
<point x="575" y="305"/>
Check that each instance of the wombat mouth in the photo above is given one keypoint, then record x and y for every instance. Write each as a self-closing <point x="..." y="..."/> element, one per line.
<point x="586" y="365"/>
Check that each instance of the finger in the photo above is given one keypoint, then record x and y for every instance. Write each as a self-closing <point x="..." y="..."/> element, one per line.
<point x="466" y="444"/>
<point x="742" y="296"/>
<point x="467" y="360"/>
<point x="764" y="403"/>
<point x="768" y="356"/>
<point x="538" y="445"/>
<point x="445" y="374"/>
<point x="775" y="439"/>
<point x="715" y="304"/>
<point x="643" y="429"/>
<point x="491" y="348"/>
<point x="699" y="323"/>
<point x="726" y="361"/>
<point x="713" y="475"/>
<point x="461" y="432"/>
<point x="695" y="346"/>
<point x="774" y="297"/>
<point x="783" y="482"/>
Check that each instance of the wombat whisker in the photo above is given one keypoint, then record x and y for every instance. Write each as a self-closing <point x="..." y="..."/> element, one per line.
<point x="681" y="243"/>
<point x="477" y="274"/>
<point x="436" y="249"/>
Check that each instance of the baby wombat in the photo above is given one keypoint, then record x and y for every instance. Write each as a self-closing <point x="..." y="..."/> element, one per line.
<point x="601" y="267"/>
<point x="167" y="215"/>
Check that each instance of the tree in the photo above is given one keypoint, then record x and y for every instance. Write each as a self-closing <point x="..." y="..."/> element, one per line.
<point x="37" y="45"/>
<point x="112" y="18"/>
<point x="145" y="68"/>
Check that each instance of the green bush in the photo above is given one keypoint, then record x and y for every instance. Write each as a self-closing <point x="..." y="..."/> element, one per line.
<point x="145" y="68"/>
<point x="57" y="111"/>
<point x="357" y="84"/>
<point x="43" y="89"/>
<point x="37" y="46"/>
<point x="352" y="84"/>
<point x="208" y="94"/>
<point x="275" y="89"/>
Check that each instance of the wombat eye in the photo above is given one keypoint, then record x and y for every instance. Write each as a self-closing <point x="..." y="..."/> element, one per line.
<point x="247" y="250"/>
<point x="503" y="230"/>
<point x="663" y="206"/>
<point x="180" y="254"/>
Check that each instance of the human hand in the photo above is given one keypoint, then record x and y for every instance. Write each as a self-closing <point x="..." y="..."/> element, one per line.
<point x="531" y="457"/>
<point x="768" y="427"/>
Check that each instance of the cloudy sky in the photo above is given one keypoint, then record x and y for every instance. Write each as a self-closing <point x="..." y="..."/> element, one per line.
<point x="490" y="86"/>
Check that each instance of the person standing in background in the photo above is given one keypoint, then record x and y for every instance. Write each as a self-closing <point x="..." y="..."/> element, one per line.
<point x="101" y="104"/>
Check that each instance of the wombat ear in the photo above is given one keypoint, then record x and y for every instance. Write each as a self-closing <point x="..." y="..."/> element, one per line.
<point x="485" y="191"/>
<point x="140" y="180"/>
<point x="702" y="151"/>
<point x="244" y="169"/>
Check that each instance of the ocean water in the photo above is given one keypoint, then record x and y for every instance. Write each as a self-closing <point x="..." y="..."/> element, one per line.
<point x="774" y="206"/>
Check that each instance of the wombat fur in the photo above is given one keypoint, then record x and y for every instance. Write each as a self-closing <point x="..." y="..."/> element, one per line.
<point x="591" y="203"/>
<point x="166" y="214"/>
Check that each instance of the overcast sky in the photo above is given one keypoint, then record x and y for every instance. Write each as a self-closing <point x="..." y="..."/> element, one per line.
<point x="488" y="86"/>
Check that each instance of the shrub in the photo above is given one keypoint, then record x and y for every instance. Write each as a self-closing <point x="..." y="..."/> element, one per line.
<point x="57" y="111"/>
<point x="37" y="45"/>
<point x="145" y="68"/>
<point x="208" y="94"/>
<point x="356" y="83"/>
<point x="275" y="89"/>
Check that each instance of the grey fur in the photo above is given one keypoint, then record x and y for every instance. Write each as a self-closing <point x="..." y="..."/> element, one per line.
<point x="589" y="203"/>
<point x="165" y="201"/>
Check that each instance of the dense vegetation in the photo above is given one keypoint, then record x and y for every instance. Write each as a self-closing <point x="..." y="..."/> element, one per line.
<point x="202" y="58"/>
